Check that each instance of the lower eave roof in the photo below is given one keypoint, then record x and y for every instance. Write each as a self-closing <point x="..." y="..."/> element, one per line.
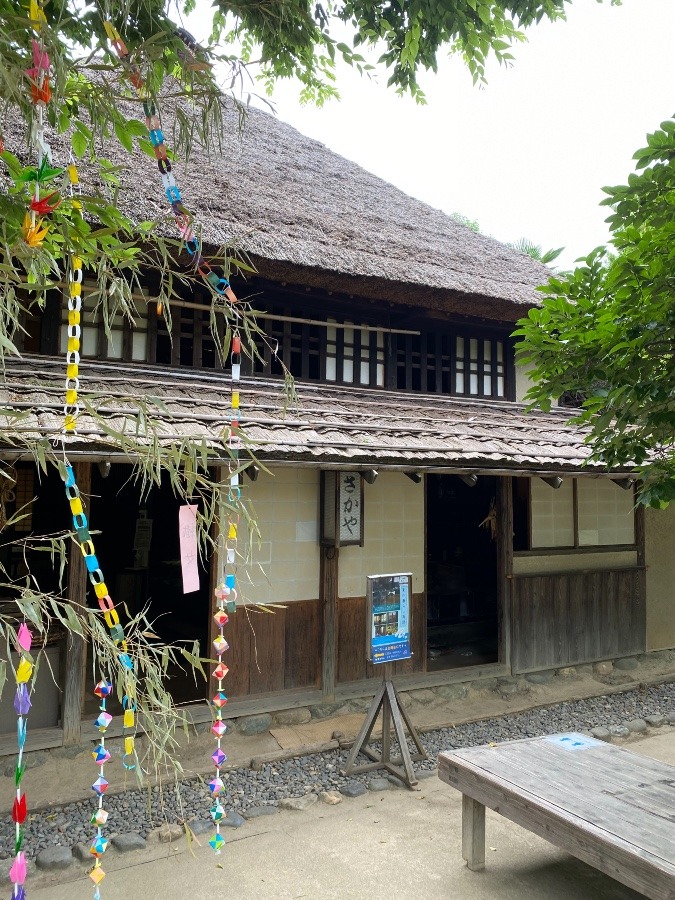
<point x="327" y="426"/>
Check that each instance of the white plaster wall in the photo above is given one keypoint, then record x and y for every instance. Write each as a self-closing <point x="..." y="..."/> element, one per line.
<point x="284" y="560"/>
<point x="393" y="535"/>
<point x="523" y="382"/>
<point x="572" y="562"/>
<point x="660" y="560"/>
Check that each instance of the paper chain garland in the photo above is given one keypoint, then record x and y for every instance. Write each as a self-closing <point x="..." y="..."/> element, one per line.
<point x="22" y="704"/>
<point x="225" y="593"/>
<point x="184" y="220"/>
<point x="33" y="233"/>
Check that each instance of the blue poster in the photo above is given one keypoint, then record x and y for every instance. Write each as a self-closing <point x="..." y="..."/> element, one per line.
<point x="390" y="619"/>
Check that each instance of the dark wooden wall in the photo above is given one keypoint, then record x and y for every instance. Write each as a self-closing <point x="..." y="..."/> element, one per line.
<point x="276" y="651"/>
<point x="564" y="619"/>
<point x="351" y="640"/>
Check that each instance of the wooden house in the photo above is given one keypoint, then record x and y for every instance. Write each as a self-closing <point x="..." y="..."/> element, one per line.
<point x="395" y="321"/>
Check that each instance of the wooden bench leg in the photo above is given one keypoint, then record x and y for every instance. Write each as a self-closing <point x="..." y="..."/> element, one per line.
<point x="473" y="833"/>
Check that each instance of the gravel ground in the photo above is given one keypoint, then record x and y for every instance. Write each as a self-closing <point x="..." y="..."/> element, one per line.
<point x="142" y="810"/>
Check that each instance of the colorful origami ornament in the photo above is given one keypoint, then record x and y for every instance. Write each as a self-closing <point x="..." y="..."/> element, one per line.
<point x="218" y="757"/>
<point x="44" y="205"/>
<point x="99" y="845"/>
<point x="33" y="232"/>
<point x="100" y="786"/>
<point x="217" y="812"/>
<point x="101" y="755"/>
<point x="22" y="702"/>
<point x="24" y="638"/>
<point x="103" y="721"/>
<point x="17" y="872"/>
<point x="100" y="817"/>
<point x="19" y="809"/>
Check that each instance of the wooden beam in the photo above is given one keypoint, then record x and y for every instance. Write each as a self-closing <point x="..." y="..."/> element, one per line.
<point x="75" y="647"/>
<point x="328" y="595"/>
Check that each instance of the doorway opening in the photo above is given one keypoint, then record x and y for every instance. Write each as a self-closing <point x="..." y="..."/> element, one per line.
<point x="462" y="575"/>
<point x="139" y="550"/>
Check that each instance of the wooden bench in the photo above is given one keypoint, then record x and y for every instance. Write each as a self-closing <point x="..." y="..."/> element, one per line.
<point x="609" y="807"/>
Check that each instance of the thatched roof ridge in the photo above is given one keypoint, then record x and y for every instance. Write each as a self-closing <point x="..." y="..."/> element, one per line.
<point x="312" y="216"/>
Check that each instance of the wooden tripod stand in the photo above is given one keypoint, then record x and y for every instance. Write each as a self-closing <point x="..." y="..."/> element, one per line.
<point x="386" y="699"/>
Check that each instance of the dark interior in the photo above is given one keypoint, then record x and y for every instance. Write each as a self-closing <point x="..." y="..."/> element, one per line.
<point x="142" y="567"/>
<point x="462" y="594"/>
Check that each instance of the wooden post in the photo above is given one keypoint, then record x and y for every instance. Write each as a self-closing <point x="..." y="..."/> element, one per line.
<point x="504" y="565"/>
<point x="328" y="597"/>
<point x="473" y="833"/>
<point x="75" y="647"/>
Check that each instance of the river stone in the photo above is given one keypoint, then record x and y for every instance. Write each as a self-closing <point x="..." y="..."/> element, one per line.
<point x="601" y="733"/>
<point x="603" y="668"/>
<point x="298" y="803"/>
<point x="636" y="725"/>
<point x="426" y="695"/>
<point x="128" y="841"/>
<point x="353" y="789"/>
<point x="332" y="798"/>
<point x="300" y="716"/>
<point x="656" y="720"/>
<point x="508" y="689"/>
<point x="379" y="784"/>
<point x="540" y="677"/>
<point x="233" y="820"/>
<point x="670" y="717"/>
<point x="201" y="826"/>
<point x="619" y="731"/>
<point x="250" y="725"/>
<point x="325" y="710"/>
<point x="81" y="852"/>
<point x="169" y="833"/>
<point x="567" y="672"/>
<point x="452" y="691"/>
<point x="254" y="812"/>
<point x="54" y="858"/>
<point x="626" y="663"/>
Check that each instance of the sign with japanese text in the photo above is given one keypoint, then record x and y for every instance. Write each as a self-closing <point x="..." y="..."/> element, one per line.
<point x="389" y="600"/>
<point x="350" y="507"/>
<point x="342" y="509"/>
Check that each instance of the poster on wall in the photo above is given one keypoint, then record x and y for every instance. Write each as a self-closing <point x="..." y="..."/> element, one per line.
<point x="388" y="598"/>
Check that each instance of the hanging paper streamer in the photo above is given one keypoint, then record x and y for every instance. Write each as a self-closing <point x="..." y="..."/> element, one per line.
<point x="189" y="554"/>
<point x="101" y="756"/>
<point x="226" y="593"/>
<point x="33" y="234"/>
<point x="22" y="704"/>
<point x="184" y="220"/>
<point x="103" y="688"/>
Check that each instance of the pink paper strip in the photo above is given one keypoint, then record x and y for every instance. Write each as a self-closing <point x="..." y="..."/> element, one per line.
<point x="187" y="531"/>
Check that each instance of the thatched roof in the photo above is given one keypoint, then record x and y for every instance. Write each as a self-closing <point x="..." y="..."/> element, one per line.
<point x="329" y="426"/>
<point x="308" y="216"/>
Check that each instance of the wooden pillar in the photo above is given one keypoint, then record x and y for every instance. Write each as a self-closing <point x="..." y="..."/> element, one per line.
<point x="75" y="648"/>
<point x="505" y="565"/>
<point x="473" y="833"/>
<point x="328" y="597"/>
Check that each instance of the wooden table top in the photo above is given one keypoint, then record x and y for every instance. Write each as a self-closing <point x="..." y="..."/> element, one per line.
<point x="594" y="785"/>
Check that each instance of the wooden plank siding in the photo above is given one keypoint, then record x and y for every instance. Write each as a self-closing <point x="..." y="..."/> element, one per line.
<point x="351" y="641"/>
<point x="569" y="618"/>
<point x="274" y="652"/>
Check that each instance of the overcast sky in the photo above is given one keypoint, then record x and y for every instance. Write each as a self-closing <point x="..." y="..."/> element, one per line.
<point x="528" y="154"/>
